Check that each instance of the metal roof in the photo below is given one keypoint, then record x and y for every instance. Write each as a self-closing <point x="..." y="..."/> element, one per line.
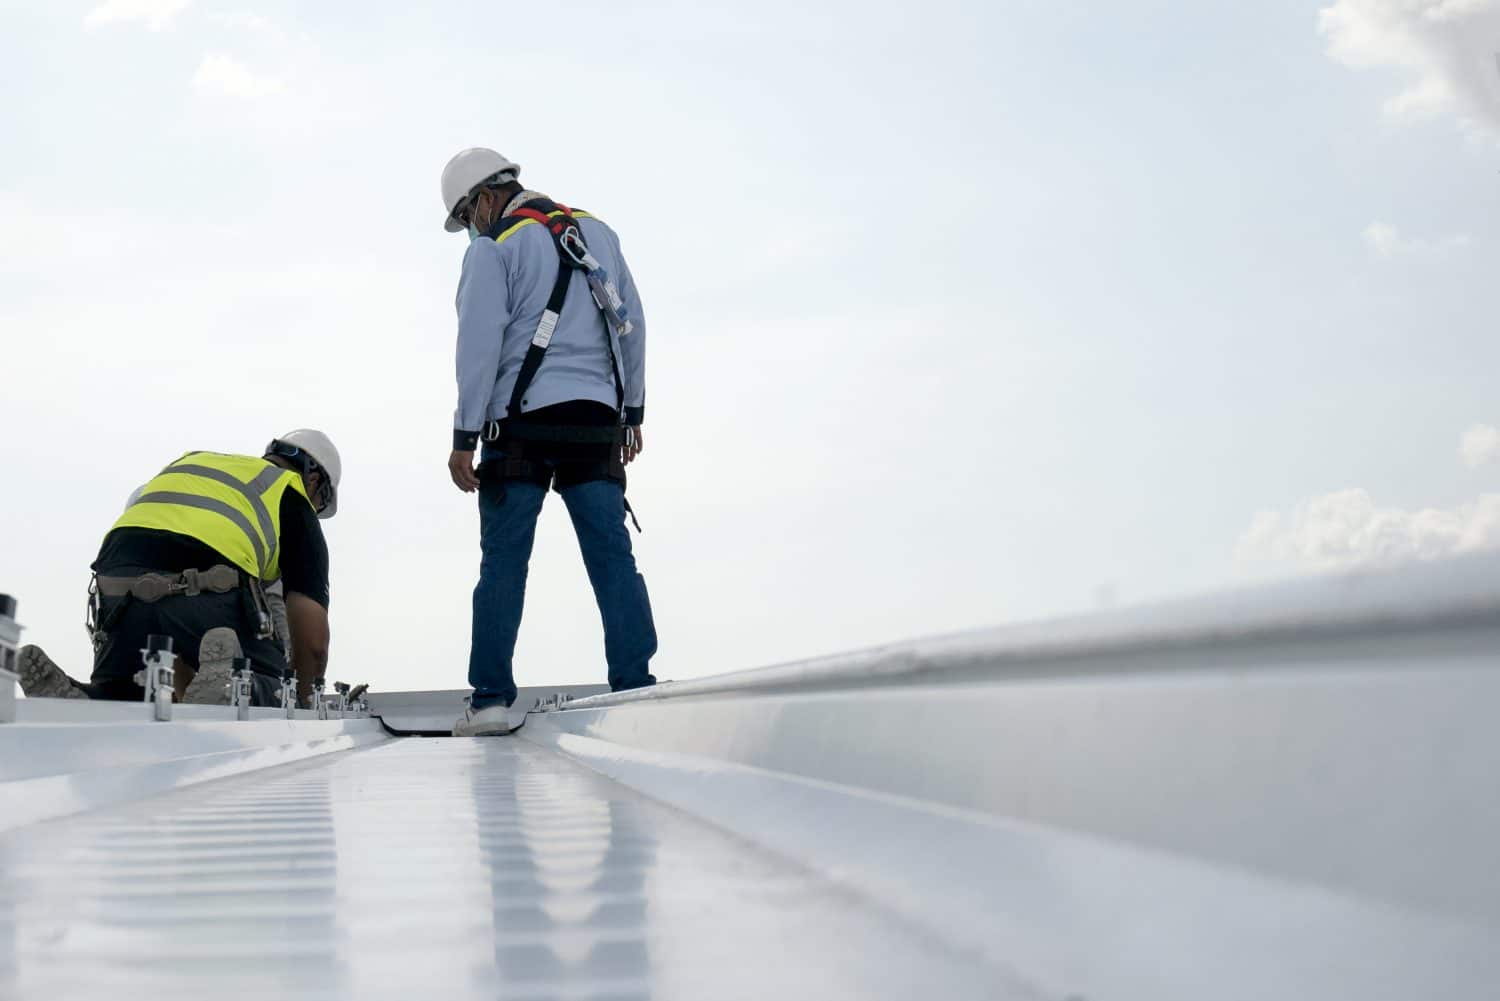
<point x="1286" y="792"/>
<point x="437" y="868"/>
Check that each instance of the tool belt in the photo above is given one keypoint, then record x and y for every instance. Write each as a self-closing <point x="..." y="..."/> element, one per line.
<point x="154" y="586"/>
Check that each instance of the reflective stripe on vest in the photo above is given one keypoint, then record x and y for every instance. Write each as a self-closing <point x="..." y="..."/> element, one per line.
<point x="230" y="503"/>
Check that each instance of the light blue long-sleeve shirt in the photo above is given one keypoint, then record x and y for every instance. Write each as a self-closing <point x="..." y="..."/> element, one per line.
<point x="501" y="295"/>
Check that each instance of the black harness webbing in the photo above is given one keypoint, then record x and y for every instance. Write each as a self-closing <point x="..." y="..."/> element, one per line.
<point x="566" y="434"/>
<point x="537" y="349"/>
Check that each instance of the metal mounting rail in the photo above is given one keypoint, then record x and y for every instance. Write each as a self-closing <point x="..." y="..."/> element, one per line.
<point x="1452" y="595"/>
<point x="1286" y="792"/>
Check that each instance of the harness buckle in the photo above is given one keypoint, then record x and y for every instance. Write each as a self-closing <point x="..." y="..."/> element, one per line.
<point x="570" y="242"/>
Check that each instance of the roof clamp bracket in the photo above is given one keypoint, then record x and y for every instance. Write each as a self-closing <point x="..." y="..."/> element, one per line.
<point x="241" y="685"/>
<point x="289" y="694"/>
<point x="553" y="703"/>
<point x="156" y="678"/>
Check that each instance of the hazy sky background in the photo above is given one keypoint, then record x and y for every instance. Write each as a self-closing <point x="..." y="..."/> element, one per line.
<point x="960" y="313"/>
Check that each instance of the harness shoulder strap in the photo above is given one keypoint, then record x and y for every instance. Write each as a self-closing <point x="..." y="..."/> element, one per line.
<point x="546" y="219"/>
<point x="537" y="350"/>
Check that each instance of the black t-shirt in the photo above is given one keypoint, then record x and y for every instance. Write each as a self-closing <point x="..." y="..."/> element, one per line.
<point x="304" y="552"/>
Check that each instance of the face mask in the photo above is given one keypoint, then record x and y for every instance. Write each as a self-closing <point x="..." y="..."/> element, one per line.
<point x="474" y="232"/>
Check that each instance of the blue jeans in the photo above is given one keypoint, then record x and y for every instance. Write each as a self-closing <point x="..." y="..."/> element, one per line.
<point x="507" y="526"/>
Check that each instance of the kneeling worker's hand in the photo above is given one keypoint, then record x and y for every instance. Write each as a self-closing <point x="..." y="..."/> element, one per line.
<point x="461" y="468"/>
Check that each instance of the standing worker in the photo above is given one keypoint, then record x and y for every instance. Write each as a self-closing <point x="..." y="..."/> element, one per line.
<point x="192" y="557"/>
<point x="551" y="364"/>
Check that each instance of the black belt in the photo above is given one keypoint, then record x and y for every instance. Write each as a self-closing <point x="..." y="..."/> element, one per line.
<point x="495" y="431"/>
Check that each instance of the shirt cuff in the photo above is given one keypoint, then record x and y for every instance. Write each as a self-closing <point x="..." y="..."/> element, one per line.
<point x="635" y="416"/>
<point x="465" y="441"/>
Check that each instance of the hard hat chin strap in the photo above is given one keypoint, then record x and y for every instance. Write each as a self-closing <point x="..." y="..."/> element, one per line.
<point x="305" y="465"/>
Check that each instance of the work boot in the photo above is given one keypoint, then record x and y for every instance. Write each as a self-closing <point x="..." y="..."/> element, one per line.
<point x="42" y="679"/>
<point x="216" y="653"/>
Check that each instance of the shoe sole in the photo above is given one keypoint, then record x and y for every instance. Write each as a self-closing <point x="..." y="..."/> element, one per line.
<point x="487" y="730"/>
<point x="42" y="679"/>
<point x="210" y="686"/>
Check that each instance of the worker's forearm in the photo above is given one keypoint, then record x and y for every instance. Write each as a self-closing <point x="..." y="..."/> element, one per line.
<point x="308" y="619"/>
<point x="483" y="313"/>
<point x="310" y="663"/>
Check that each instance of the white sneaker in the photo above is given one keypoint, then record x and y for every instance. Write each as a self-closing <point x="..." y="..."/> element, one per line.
<point x="491" y="721"/>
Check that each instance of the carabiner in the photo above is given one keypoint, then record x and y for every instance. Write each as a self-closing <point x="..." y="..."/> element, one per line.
<point x="570" y="241"/>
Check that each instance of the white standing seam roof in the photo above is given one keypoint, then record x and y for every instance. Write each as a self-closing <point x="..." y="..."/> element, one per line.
<point x="1285" y="793"/>
<point x="436" y="868"/>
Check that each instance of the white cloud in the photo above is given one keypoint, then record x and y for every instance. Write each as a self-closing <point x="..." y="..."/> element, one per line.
<point x="1446" y="48"/>
<point x="1480" y="445"/>
<point x="237" y="19"/>
<point x="1386" y="242"/>
<point x="157" y="14"/>
<point x="1383" y="238"/>
<point x="220" y="73"/>
<point x="1347" y="529"/>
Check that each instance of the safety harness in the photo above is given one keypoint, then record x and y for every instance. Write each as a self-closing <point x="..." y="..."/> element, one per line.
<point x="573" y="256"/>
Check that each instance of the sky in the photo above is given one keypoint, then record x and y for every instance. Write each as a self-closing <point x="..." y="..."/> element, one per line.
<point x="959" y="313"/>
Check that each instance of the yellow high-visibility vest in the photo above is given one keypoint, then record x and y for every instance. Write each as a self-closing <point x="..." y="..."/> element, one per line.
<point x="230" y="503"/>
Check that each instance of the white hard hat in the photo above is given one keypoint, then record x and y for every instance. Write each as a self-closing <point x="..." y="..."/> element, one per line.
<point x="465" y="172"/>
<point x="319" y="448"/>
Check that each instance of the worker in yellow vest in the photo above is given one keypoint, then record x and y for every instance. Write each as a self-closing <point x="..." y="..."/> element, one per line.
<point x="192" y="557"/>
